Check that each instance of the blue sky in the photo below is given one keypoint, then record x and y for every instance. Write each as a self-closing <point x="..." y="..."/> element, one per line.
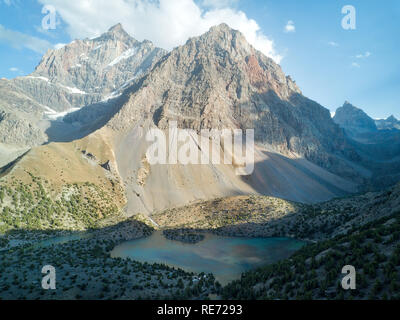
<point x="329" y="64"/>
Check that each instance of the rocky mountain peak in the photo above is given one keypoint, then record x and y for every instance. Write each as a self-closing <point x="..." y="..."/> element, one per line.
<point x="90" y="70"/>
<point x="350" y="108"/>
<point x="392" y="118"/>
<point x="348" y="105"/>
<point x="354" y="120"/>
<point x="210" y="79"/>
<point x="81" y="73"/>
<point x="116" y="29"/>
<point x="223" y="37"/>
<point x="222" y="27"/>
<point x="117" y="32"/>
<point x="388" y="124"/>
<point x="223" y="31"/>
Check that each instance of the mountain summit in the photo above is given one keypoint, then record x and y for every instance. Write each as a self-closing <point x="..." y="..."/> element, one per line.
<point x="388" y="124"/>
<point x="100" y="65"/>
<point x="118" y="30"/>
<point x="354" y="120"/>
<point x="81" y="73"/>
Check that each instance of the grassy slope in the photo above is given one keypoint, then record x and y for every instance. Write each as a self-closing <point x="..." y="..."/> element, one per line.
<point x="57" y="186"/>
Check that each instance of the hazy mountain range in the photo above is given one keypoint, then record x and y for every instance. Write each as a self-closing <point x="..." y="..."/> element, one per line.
<point x="355" y="121"/>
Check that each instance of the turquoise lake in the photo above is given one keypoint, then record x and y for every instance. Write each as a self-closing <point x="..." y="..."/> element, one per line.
<point x="225" y="257"/>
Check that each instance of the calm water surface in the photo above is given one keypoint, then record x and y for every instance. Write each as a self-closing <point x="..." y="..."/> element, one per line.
<point x="225" y="257"/>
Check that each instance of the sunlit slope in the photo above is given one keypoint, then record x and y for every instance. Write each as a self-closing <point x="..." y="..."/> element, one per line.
<point x="61" y="186"/>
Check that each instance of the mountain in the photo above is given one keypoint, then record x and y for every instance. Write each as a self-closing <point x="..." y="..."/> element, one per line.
<point x="90" y="70"/>
<point x="354" y="120"/>
<point x="81" y="73"/>
<point x="377" y="142"/>
<point x="214" y="81"/>
<point x="388" y="124"/>
<point x="219" y="81"/>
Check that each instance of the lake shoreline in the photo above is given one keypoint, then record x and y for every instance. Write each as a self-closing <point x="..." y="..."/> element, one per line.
<point x="226" y="257"/>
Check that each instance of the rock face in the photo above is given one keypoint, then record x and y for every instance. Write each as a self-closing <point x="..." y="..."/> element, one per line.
<point x="220" y="81"/>
<point x="16" y="130"/>
<point x="19" y="117"/>
<point x="388" y="124"/>
<point x="354" y="120"/>
<point x="84" y="72"/>
<point x="90" y="70"/>
<point x="19" y="122"/>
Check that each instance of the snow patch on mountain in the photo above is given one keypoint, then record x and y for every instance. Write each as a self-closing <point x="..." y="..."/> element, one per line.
<point x="41" y="78"/>
<point x="125" y="55"/>
<point x="57" y="116"/>
<point x="73" y="90"/>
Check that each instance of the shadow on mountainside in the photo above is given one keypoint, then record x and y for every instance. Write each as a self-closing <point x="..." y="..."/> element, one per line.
<point x="6" y="169"/>
<point x="83" y="122"/>
<point x="296" y="179"/>
<point x="303" y="126"/>
<point x="128" y="229"/>
<point x="267" y="217"/>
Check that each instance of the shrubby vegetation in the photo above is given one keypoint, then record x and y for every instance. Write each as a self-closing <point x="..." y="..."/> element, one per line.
<point x="183" y="235"/>
<point x="361" y="231"/>
<point x="37" y="206"/>
<point x="314" y="272"/>
<point x="85" y="270"/>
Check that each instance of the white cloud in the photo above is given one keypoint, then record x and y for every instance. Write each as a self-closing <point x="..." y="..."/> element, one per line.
<point x="290" y="27"/>
<point x="333" y="44"/>
<point x="59" y="45"/>
<point x="168" y="23"/>
<point x="20" y="40"/>
<point x="362" y="56"/>
<point x="219" y="3"/>
<point x="16" y="70"/>
<point x="10" y="3"/>
<point x="355" y="65"/>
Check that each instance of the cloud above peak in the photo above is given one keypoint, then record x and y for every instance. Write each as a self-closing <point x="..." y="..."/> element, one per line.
<point x="362" y="56"/>
<point x="167" y="23"/>
<point x="333" y="44"/>
<point x="290" y="27"/>
<point x="21" y="40"/>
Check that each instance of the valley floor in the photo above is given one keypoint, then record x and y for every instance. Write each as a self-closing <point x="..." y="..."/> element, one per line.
<point x="363" y="231"/>
<point x="85" y="270"/>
